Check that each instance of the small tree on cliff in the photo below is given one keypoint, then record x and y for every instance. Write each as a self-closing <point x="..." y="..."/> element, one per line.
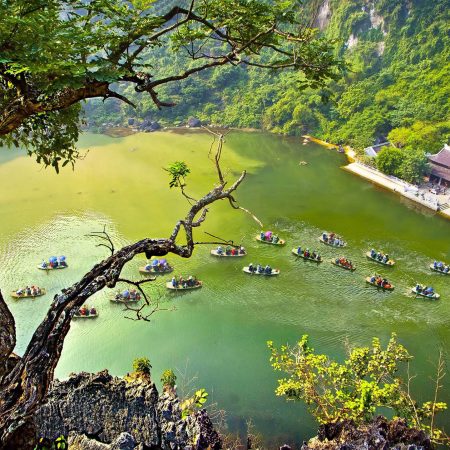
<point x="367" y="380"/>
<point x="56" y="53"/>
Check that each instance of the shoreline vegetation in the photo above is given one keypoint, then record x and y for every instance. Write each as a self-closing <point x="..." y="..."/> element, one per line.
<point x="372" y="175"/>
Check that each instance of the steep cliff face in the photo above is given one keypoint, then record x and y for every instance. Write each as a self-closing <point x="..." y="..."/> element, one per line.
<point x="103" y="407"/>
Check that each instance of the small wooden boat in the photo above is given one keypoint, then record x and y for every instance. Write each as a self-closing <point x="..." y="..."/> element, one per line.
<point x="87" y="315"/>
<point x="223" y="254"/>
<point x="280" y="242"/>
<point x="344" y="244"/>
<point x="433" y="296"/>
<point x="389" y="288"/>
<point x="388" y="263"/>
<point x="274" y="272"/>
<point x="185" y="288"/>
<point x="333" y="261"/>
<point x="48" y="267"/>
<point x="25" y="295"/>
<point x="121" y="299"/>
<point x="438" y="270"/>
<point x="306" y="258"/>
<point x="152" y="271"/>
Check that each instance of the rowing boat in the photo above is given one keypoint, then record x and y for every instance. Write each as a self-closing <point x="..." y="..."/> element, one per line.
<point x="152" y="270"/>
<point x="280" y="242"/>
<point x="344" y="244"/>
<point x="274" y="272"/>
<point x="223" y="254"/>
<point x="388" y="263"/>
<point x="438" y="270"/>
<point x="183" y="288"/>
<point x="89" y="315"/>
<point x="120" y="299"/>
<point x="390" y="288"/>
<point x="433" y="296"/>
<point x="306" y="258"/>
<point x="344" y="267"/>
<point x="25" y="295"/>
<point x="48" y="267"/>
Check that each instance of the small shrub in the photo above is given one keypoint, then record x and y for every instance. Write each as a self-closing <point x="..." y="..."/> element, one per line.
<point x="142" y="366"/>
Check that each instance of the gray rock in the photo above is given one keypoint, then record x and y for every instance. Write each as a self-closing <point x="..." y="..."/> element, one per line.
<point x="193" y="122"/>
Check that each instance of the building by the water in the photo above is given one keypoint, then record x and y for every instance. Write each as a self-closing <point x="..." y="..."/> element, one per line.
<point x="373" y="150"/>
<point x="440" y="166"/>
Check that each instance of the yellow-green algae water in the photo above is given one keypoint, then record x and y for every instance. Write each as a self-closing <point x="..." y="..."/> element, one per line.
<point x="216" y="337"/>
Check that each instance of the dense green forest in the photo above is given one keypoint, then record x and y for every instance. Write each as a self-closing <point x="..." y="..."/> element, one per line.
<point x="396" y="86"/>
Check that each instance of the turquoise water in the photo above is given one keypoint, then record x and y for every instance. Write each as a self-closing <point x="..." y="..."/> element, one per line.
<point x="216" y="337"/>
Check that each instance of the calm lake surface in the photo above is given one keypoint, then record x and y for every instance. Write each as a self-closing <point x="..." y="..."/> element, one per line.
<point x="216" y="337"/>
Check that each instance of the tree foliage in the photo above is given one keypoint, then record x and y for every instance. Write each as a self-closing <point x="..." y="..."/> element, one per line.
<point x="55" y="53"/>
<point x="142" y="366"/>
<point x="367" y="380"/>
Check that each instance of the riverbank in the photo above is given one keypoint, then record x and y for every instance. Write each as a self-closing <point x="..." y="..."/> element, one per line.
<point x="351" y="154"/>
<point x="410" y="191"/>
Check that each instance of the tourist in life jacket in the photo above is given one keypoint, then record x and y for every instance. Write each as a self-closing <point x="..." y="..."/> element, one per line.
<point x="233" y="251"/>
<point x="372" y="279"/>
<point x="446" y="269"/>
<point x="324" y="236"/>
<point x="259" y="268"/>
<point x="241" y="250"/>
<point x="28" y="290"/>
<point x="228" y="250"/>
<point x="262" y="236"/>
<point x="126" y="294"/>
<point x="268" y="269"/>
<point x="62" y="261"/>
<point x="299" y="250"/>
<point x="373" y="253"/>
<point x="418" y="288"/>
<point x="174" y="282"/>
<point x="275" y="239"/>
<point x="220" y="250"/>
<point x="251" y="268"/>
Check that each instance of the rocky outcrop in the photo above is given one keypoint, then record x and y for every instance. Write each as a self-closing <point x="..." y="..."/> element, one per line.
<point x="381" y="434"/>
<point x="193" y="122"/>
<point x="98" y="408"/>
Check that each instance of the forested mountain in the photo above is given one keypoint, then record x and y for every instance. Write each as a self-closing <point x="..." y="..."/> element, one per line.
<point x="396" y="84"/>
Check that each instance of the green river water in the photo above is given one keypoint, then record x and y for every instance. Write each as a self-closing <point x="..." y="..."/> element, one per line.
<point x="216" y="337"/>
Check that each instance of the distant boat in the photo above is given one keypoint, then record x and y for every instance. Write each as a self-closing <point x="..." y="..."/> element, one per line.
<point x="307" y="258"/>
<point x="25" y="295"/>
<point x="280" y="242"/>
<point x="343" y="244"/>
<point x="85" y="313"/>
<point x="223" y="254"/>
<point x="185" y="287"/>
<point x="388" y="263"/>
<point x="352" y="268"/>
<point x="389" y="287"/>
<point x="119" y="298"/>
<point x="433" y="296"/>
<point x="274" y="272"/>
<point x="48" y="267"/>
<point x="435" y="269"/>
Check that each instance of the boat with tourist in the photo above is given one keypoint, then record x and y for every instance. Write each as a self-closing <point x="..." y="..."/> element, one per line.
<point x="28" y="292"/>
<point x="260" y="270"/>
<point x="229" y="251"/>
<point x="86" y="312"/>
<point x="425" y="291"/>
<point x="332" y="239"/>
<point x="380" y="283"/>
<point x="184" y="284"/>
<point x="344" y="263"/>
<point x="53" y="263"/>
<point x="270" y="238"/>
<point x="440" y="267"/>
<point x="380" y="258"/>
<point x="307" y="255"/>
<point x="126" y="296"/>
<point x="156" y="266"/>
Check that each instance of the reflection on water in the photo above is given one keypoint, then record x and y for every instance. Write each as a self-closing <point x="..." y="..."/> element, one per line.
<point x="220" y="330"/>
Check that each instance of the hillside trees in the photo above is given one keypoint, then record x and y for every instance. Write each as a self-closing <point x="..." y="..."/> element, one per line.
<point x="56" y="53"/>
